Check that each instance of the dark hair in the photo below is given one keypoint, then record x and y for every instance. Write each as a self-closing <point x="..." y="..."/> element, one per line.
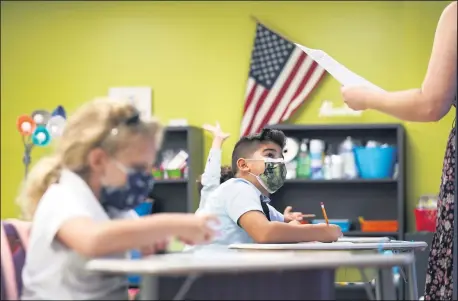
<point x="247" y="145"/>
<point x="226" y="174"/>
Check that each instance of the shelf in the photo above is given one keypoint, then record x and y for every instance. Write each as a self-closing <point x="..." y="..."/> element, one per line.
<point x="342" y="181"/>
<point x="353" y="286"/>
<point x="336" y="127"/>
<point x="171" y="181"/>
<point x="368" y="234"/>
<point x="174" y="128"/>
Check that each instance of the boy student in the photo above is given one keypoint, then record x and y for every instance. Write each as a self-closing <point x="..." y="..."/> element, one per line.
<point x="241" y="202"/>
<point x="215" y="174"/>
<point x="102" y="163"/>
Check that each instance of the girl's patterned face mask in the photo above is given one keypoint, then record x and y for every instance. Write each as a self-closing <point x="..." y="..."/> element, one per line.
<point x="133" y="193"/>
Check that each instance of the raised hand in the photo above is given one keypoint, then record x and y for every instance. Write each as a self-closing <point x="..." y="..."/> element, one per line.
<point x="219" y="136"/>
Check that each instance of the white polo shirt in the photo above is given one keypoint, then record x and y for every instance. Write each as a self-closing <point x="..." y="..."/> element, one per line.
<point x="52" y="271"/>
<point x="211" y="179"/>
<point x="229" y="202"/>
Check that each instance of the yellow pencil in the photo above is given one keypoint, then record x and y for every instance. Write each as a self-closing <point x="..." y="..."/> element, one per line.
<point x="324" y="213"/>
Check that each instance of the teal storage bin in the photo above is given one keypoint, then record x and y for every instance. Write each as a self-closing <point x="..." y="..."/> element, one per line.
<point x="375" y="162"/>
<point x="143" y="209"/>
<point x="344" y="224"/>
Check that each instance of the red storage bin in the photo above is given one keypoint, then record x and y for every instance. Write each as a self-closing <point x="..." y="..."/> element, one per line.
<point x="425" y="220"/>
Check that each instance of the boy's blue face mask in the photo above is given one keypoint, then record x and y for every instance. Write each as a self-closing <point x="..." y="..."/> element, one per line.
<point x="130" y="195"/>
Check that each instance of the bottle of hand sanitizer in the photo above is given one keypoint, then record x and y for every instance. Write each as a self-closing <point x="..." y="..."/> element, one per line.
<point x="348" y="158"/>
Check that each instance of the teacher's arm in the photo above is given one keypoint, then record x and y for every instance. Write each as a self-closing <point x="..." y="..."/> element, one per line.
<point x="433" y="100"/>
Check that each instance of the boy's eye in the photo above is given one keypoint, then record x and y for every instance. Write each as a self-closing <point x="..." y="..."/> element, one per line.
<point x="270" y="155"/>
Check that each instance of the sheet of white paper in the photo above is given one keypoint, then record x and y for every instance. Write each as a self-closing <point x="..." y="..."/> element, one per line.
<point x="334" y="243"/>
<point x="341" y="73"/>
<point x="140" y="97"/>
<point x="364" y="239"/>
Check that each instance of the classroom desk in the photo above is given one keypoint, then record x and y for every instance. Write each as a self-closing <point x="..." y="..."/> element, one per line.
<point x="232" y="275"/>
<point x="394" y="245"/>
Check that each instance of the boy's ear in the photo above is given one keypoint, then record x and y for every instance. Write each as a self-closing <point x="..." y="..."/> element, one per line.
<point x="241" y="165"/>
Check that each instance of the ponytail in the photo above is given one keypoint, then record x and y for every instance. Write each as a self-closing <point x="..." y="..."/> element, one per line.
<point x="226" y="173"/>
<point x="45" y="173"/>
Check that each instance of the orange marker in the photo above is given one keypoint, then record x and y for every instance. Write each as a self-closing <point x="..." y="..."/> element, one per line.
<point x="324" y="213"/>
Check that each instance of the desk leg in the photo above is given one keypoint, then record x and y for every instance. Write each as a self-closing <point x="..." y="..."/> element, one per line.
<point x="412" y="275"/>
<point x="384" y="284"/>
<point x="149" y="288"/>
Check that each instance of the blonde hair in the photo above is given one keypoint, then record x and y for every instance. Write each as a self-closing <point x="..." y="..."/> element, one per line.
<point x="100" y="123"/>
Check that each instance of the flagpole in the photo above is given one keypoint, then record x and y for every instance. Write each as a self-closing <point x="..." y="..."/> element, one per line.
<point x="284" y="36"/>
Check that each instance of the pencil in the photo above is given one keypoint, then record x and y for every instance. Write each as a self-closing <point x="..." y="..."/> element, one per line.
<point x="324" y="213"/>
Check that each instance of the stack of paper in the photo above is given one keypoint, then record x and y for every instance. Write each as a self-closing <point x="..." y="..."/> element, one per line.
<point x="341" y="73"/>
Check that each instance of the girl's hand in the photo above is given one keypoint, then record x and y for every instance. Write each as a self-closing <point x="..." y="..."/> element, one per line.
<point x="218" y="135"/>
<point x="154" y="248"/>
<point x="198" y="229"/>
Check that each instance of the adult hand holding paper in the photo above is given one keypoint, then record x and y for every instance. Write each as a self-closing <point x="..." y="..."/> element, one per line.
<point x="341" y="73"/>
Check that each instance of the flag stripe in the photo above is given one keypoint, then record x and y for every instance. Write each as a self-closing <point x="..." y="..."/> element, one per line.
<point x="314" y="80"/>
<point x="282" y="91"/>
<point x="251" y="88"/>
<point x="305" y="79"/>
<point x="259" y="97"/>
<point x="294" y="89"/>
<point x="264" y="107"/>
<point x="298" y="98"/>
<point x="281" y="78"/>
<point x="249" y="107"/>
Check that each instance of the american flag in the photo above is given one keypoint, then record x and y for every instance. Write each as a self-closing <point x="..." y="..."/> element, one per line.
<point x="281" y="77"/>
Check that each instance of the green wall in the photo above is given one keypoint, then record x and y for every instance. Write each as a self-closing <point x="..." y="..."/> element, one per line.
<point x="196" y="57"/>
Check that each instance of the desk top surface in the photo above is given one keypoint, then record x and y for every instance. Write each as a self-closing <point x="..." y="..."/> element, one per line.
<point x="336" y="246"/>
<point x="229" y="261"/>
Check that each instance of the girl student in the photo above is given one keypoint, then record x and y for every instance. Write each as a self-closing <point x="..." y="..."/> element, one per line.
<point x="103" y="161"/>
<point x="214" y="174"/>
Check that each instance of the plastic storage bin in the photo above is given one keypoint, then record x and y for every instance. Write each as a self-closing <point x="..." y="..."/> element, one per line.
<point x="378" y="225"/>
<point x="425" y="219"/>
<point x="144" y="208"/>
<point x="134" y="280"/>
<point x="344" y="224"/>
<point x="375" y="162"/>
